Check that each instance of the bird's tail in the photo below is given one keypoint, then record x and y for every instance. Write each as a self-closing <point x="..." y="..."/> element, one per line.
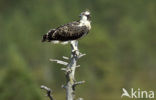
<point x="48" y="36"/>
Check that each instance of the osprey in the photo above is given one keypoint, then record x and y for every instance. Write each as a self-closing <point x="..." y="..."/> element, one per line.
<point x="71" y="31"/>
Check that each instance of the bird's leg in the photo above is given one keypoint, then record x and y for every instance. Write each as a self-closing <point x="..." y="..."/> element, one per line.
<point x="74" y="45"/>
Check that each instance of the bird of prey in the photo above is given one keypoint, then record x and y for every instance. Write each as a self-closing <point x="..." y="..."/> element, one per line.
<point x="71" y="31"/>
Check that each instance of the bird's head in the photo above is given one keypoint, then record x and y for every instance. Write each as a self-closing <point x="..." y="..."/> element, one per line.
<point x="85" y="15"/>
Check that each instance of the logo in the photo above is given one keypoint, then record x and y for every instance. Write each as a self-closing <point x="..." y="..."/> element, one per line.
<point x="137" y="93"/>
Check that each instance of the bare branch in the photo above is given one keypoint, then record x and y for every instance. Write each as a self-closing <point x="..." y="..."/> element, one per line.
<point x="64" y="57"/>
<point x="81" y="55"/>
<point x="77" y="66"/>
<point x="59" y="61"/>
<point x="48" y="90"/>
<point x="80" y="99"/>
<point x="78" y="83"/>
<point x="66" y="69"/>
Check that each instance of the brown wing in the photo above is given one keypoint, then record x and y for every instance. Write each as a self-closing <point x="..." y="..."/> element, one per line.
<point x="69" y="31"/>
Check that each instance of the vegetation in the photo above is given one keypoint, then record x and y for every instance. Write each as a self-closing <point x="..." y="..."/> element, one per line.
<point x="120" y="48"/>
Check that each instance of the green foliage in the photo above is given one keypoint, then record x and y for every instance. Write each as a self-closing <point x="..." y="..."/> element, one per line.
<point x="16" y="81"/>
<point x="18" y="85"/>
<point x="120" y="48"/>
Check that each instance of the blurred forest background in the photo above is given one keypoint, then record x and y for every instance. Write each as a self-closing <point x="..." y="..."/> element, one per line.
<point x="121" y="48"/>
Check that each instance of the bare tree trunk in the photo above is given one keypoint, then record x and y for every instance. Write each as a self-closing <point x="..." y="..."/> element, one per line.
<point x="70" y="75"/>
<point x="70" y="71"/>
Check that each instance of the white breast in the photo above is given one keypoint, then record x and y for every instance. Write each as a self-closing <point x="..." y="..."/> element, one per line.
<point x="85" y="22"/>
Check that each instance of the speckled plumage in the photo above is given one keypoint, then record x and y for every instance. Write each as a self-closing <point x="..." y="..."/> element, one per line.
<point x="68" y="32"/>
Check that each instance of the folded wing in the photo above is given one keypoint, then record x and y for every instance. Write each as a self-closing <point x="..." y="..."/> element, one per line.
<point x="67" y="32"/>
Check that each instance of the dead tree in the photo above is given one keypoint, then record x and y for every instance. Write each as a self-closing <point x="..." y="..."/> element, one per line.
<point x="71" y="83"/>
